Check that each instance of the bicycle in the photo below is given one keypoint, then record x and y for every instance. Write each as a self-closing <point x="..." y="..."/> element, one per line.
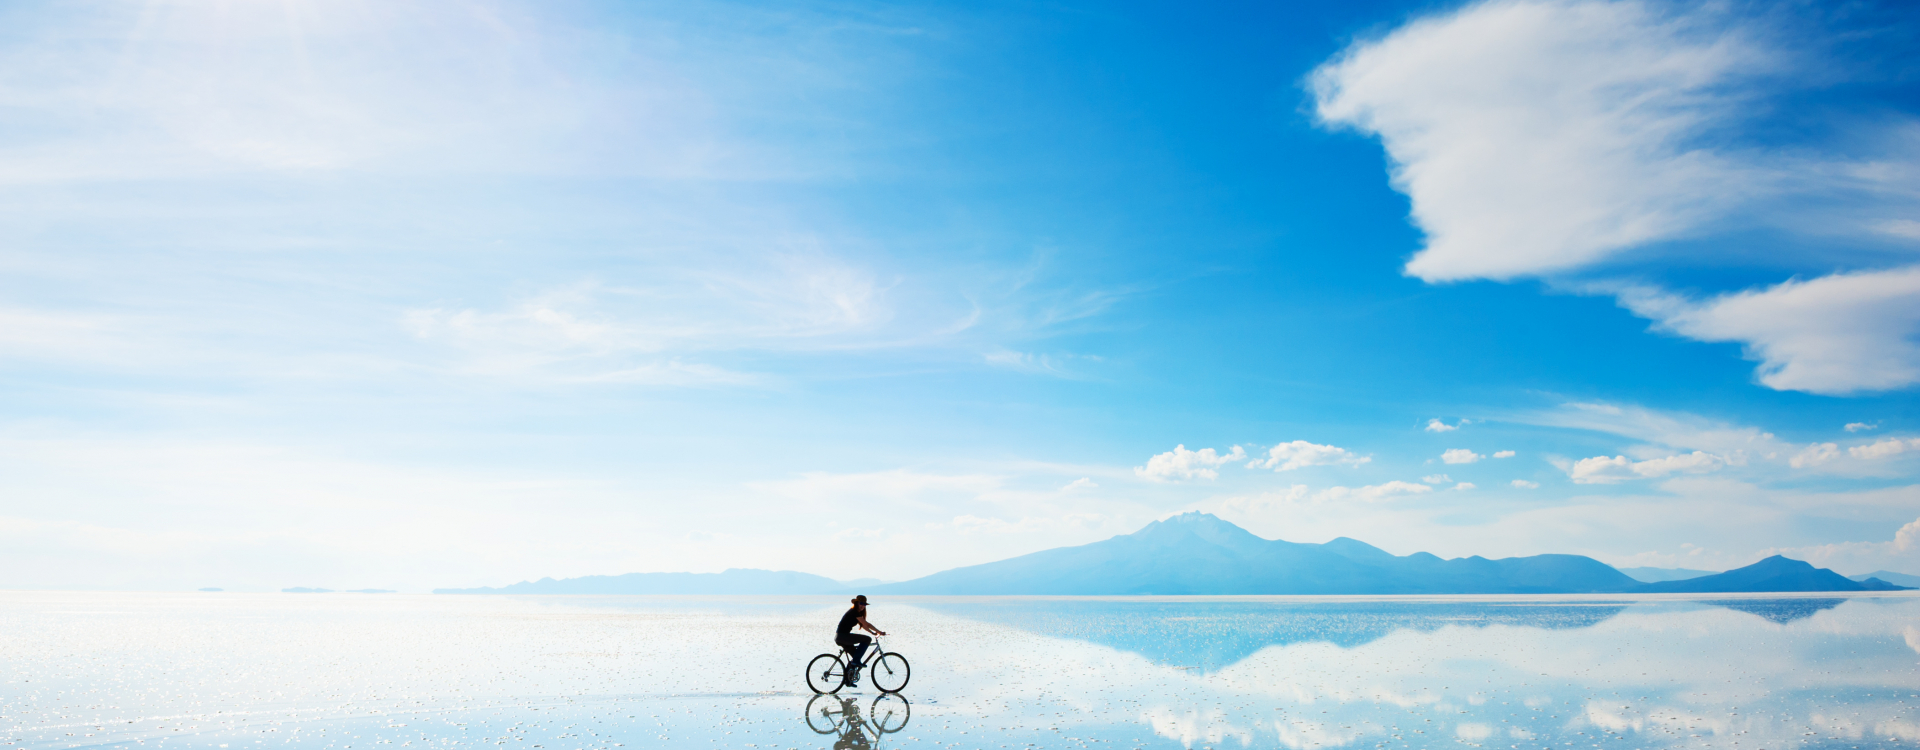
<point x="888" y="671"/>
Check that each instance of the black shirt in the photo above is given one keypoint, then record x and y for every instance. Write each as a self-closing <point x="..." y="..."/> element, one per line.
<point x="847" y="621"/>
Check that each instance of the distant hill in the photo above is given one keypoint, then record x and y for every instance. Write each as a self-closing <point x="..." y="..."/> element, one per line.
<point x="1656" y="575"/>
<point x="1198" y="553"/>
<point x="1889" y="576"/>
<point x="731" y="581"/>
<point x="1774" y="574"/>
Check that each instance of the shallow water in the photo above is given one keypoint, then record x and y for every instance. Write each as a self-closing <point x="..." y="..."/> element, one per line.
<point x="361" y="671"/>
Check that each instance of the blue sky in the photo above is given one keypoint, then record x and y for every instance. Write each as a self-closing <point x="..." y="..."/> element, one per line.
<point x="355" y="295"/>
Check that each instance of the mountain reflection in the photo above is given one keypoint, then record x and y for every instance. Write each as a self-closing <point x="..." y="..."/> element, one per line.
<point x="1213" y="635"/>
<point x="1782" y="611"/>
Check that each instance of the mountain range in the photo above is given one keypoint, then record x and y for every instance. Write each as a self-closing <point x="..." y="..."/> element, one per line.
<point x="1200" y="554"/>
<point x="1899" y="579"/>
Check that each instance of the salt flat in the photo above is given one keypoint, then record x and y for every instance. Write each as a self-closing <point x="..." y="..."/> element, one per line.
<point x="238" y="671"/>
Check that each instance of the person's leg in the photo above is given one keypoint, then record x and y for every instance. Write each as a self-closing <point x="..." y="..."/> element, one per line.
<point x="860" y="643"/>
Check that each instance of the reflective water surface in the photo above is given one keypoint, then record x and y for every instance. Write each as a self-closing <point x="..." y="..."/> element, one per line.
<point x="343" y="671"/>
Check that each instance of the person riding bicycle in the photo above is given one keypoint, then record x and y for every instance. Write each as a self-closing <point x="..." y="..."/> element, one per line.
<point x="855" y="643"/>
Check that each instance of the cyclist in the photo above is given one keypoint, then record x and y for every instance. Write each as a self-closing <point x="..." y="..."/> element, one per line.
<point x="855" y="643"/>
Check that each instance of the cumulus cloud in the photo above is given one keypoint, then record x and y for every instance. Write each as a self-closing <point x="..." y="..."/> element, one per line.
<point x="1435" y="425"/>
<point x="1836" y="335"/>
<point x="1541" y="136"/>
<point x="1526" y="485"/>
<point x="1503" y="454"/>
<point x="1083" y="483"/>
<point x="1180" y="464"/>
<point x="1460" y="456"/>
<point x="1814" y="455"/>
<point x="1605" y="470"/>
<point x="1436" y="479"/>
<point x="1861" y="426"/>
<point x="1884" y="448"/>
<point x="1300" y="454"/>
<point x="1466" y="486"/>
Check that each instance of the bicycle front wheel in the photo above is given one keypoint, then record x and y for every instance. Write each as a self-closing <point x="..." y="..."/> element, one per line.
<point x="889" y="673"/>
<point x="825" y="674"/>
<point x="889" y="713"/>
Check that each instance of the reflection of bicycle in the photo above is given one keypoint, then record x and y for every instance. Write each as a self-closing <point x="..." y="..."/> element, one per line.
<point x="888" y="671"/>
<point x="887" y="714"/>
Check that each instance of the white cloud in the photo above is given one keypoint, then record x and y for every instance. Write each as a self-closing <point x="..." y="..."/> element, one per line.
<point x="1436" y="479"/>
<point x="1466" y="486"/>
<point x="1526" y="485"/>
<point x="1837" y="335"/>
<point x="1605" y="470"/>
<point x="1300" y="454"/>
<point x="1460" y="456"/>
<point x="1435" y="425"/>
<point x="1884" y="448"/>
<point x="1544" y="137"/>
<point x="1601" y="470"/>
<point x="1861" y="426"/>
<point x="1503" y="454"/>
<point x="1697" y="462"/>
<point x="1180" y="463"/>
<point x="1814" y="455"/>
<point x="1083" y="483"/>
<point x="1371" y="493"/>
<point x="1535" y="137"/>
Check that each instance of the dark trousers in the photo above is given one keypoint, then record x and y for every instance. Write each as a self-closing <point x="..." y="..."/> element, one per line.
<point x="856" y="644"/>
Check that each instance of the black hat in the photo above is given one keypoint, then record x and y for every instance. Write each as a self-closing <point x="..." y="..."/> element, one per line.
<point x="861" y="599"/>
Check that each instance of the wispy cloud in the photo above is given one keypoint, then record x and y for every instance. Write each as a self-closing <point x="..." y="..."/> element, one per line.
<point x="1674" y="430"/>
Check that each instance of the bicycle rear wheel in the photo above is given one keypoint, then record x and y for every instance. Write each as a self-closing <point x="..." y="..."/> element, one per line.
<point x="825" y="714"/>
<point x="825" y="674"/>
<point x="889" y="673"/>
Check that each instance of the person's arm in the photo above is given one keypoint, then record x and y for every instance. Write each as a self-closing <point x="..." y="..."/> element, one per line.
<point x="870" y="628"/>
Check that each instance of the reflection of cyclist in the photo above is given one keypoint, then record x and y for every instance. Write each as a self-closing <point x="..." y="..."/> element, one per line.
<point x="852" y="737"/>
<point x="855" y="643"/>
